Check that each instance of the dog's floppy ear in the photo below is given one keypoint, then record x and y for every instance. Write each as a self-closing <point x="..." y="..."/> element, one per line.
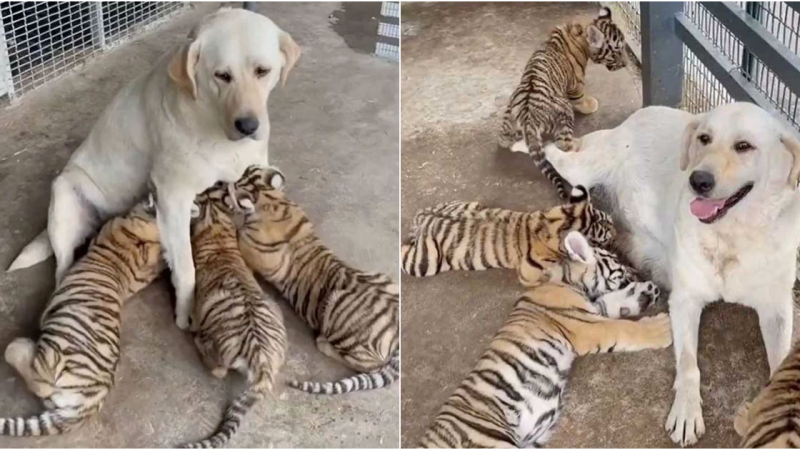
<point x="687" y="141"/>
<point x="182" y="67"/>
<point x="291" y="53"/>
<point x="793" y="146"/>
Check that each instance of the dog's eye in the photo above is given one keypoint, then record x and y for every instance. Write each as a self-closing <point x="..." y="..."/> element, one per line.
<point x="224" y="76"/>
<point x="742" y="146"/>
<point x="261" y="72"/>
<point x="704" y="139"/>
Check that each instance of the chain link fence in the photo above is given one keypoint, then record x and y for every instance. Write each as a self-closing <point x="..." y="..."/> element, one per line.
<point x="40" y="41"/>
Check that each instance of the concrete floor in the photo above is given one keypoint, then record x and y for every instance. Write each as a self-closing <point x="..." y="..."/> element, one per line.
<point x="334" y="133"/>
<point x="460" y="64"/>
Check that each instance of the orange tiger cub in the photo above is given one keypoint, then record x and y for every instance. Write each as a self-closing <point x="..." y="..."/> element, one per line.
<point x="355" y="313"/>
<point x="236" y="326"/>
<point x="72" y="365"/>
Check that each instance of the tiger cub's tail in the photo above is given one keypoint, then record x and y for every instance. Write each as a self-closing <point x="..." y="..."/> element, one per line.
<point x="536" y="150"/>
<point x="235" y="414"/>
<point x="384" y="376"/>
<point x="48" y="423"/>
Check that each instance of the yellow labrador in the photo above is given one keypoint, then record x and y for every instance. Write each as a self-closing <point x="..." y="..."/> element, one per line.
<point x="199" y="116"/>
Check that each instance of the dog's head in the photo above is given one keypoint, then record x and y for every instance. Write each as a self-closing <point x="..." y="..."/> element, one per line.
<point x="235" y="58"/>
<point x="732" y="150"/>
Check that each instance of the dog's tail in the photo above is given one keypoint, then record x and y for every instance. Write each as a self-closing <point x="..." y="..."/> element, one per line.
<point x="35" y="252"/>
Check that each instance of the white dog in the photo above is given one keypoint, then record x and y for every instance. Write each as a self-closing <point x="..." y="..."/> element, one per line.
<point x="199" y="116"/>
<point x="712" y="206"/>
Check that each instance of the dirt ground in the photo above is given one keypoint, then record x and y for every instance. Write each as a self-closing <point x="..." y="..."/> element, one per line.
<point x="460" y="64"/>
<point x="334" y="134"/>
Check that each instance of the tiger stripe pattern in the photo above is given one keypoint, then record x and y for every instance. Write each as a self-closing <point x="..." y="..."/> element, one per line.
<point x="514" y="395"/>
<point x="72" y="365"/>
<point x="236" y="325"/>
<point x="772" y="419"/>
<point x="468" y="236"/>
<point x="553" y="85"/>
<point x="354" y="313"/>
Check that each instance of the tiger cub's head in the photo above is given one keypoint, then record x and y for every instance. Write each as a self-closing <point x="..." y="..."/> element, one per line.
<point x="213" y="207"/>
<point x="606" y="41"/>
<point x="598" y="226"/>
<point x="268" y="213"/>
<point x="608" y="282"/>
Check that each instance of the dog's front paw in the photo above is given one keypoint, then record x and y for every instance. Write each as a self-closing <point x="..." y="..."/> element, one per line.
<point x="685" y="422"/>
<point x="182" y="322"/>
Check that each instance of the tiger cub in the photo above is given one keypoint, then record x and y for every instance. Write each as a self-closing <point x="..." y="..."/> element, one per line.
<point x="71" y="367"/>
<point x="236" y="326"/>
<point x="468" y="236"/>
<point x="354" y="313"/>
<point x="553" y="84"/>
<point x="772" y="419"/>
<point x="513" y="397"/>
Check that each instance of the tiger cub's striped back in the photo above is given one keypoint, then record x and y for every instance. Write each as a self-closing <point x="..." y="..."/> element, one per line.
<point x="513" y="396"/>
<point x="236" y="326"/>
<point x="355" y="313"/>
<point x="72" y="365"/>
<point x="553" y="84"/>
<point x="772" y="419"/>
<point x="468" y="236"/>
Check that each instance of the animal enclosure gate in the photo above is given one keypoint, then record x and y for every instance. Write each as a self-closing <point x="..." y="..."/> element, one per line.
<point x="700" y="55"/>
<point x="40" y="41"/>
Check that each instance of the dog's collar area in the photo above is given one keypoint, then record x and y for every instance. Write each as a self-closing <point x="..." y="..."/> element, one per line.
<point x="709" y="211"/>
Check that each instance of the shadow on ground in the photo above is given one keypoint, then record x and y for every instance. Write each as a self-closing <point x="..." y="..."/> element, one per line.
<point x="460" y="64"/>
<point x="334" y="134"/>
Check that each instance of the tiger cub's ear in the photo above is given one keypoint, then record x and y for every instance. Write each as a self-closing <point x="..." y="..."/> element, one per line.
<point x="150" y="203"/>
<point x="195" y="212"/>
<point x="595" y="37"/>
<point x="604" y="13"/>
<point x="578" y="248"/>
<point x="275" y="178"/>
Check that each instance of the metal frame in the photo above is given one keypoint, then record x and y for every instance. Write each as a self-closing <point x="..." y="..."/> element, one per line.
<point x="666" y="29"/>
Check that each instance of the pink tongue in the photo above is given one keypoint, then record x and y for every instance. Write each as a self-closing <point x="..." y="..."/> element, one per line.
<point x="704" y="208"/>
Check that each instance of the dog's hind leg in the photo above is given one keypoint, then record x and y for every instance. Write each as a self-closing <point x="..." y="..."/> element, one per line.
<point x="775" y="315"/>
<point x="70" y="221"/>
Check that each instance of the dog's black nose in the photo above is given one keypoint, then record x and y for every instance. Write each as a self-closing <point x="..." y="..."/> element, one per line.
<point x="702" y="182"/>
<point x="246" y="125"/>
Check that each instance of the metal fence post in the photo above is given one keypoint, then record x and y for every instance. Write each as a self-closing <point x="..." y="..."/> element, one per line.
<point x="662" y="54"/>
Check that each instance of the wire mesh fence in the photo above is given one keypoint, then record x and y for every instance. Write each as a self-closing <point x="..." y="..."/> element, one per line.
<point x="40" y="41"/>
<point x="388" y="45"/>
<point x="701" y="90"/>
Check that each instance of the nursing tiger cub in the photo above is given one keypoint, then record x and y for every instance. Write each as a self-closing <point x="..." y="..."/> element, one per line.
<point x="553" y="84"/>
<point x="468" y="236"/>
<point x="236" y="326"/>
<point x="354" y="313"/>
<point x="772" y="419"/>
<point x="72" y="365"/>
<point x="513" y="397"/>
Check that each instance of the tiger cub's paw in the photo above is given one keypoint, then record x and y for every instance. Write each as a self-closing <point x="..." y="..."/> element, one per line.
<point x="740" y="420"/>
<point x="659" y="330"/>
<point x="587" y="105"/>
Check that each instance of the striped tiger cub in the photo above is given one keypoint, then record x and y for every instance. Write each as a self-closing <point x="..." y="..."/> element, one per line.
<point x="354" y="313"/>
<point x="71" y="367"/>
<point x="513" y="396"/>
<point x="236" y="326"/>
<point x="468" y="236"/>
<point x="553" y="84"/>
<point x="772" y="419"/>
